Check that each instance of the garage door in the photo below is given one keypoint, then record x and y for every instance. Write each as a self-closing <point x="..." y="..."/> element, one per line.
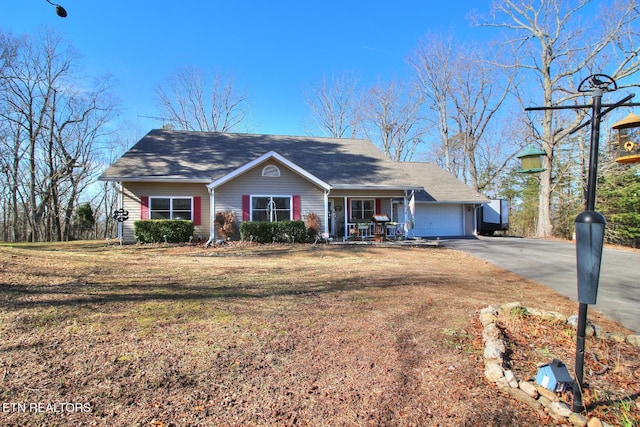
<point x="438" y="220"/>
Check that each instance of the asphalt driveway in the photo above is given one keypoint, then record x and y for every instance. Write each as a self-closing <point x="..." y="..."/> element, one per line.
<point x="553" y="264"/>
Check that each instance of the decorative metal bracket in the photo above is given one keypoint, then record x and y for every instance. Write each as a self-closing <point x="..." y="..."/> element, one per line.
<point x="598" y="82"/>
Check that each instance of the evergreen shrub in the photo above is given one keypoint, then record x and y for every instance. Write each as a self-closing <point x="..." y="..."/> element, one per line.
<point x="163" y="230"/>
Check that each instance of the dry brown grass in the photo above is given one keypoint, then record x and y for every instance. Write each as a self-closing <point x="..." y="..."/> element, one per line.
<point x="252" y="335"/>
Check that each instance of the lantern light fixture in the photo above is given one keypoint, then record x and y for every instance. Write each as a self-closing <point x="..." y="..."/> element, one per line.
<point x="60" y="11"/>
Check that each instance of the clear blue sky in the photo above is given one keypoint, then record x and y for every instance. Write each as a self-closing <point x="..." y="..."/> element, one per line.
<point x="273" y="49"/>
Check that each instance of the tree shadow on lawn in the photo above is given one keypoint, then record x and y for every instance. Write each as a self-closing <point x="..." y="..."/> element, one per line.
<point x="71" y="294"/>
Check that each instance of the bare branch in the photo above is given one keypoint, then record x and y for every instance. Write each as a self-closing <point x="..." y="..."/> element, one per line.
<point x="194" y="102"/>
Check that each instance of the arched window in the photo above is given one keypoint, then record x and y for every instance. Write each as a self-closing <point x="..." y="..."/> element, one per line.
<point x="271" y="171"/>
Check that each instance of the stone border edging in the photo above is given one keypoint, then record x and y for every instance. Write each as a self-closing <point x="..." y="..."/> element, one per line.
<point x="535" y="396"/>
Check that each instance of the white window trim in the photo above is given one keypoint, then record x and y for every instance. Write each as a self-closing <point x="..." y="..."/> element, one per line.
<point x="289" y="196"/>
<point x="353" y="199"/>
<point x="170" y="204"/>
<point x="271" y="171"/>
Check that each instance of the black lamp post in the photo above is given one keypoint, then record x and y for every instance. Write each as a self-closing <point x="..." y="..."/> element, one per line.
<point x="59" y="9"/>
<point x="589" y="225"/>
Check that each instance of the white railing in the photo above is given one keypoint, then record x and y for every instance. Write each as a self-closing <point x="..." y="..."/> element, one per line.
<point x="365" y="230"/>
<point x="362" y="230"/>
<point x="395" y="229"/>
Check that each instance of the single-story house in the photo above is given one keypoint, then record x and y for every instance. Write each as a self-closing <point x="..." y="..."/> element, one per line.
<point x="192" y="175"/>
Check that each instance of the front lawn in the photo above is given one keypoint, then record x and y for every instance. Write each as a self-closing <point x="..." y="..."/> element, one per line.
<point x="162" y="335"/>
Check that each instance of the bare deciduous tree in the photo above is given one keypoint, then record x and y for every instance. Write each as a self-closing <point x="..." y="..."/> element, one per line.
<point x="194" y="101"/>
<point x="431" y="63"/>
<point x="558" y="47"/>
<point x="464" y="92"/>
<point x="49" y="125"/>
<point x="393" y="120"/>
<point x="335" y="106"/>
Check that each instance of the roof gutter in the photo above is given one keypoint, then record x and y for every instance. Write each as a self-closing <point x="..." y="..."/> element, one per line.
<point x="155" y="179"/>
<point x="374" y="187"/>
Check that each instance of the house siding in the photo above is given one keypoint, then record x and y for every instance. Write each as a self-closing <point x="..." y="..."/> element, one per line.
<point x="228" y="196"/>
<point x="133" y="191"/>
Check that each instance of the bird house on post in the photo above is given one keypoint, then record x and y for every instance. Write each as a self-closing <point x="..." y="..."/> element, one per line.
<point x="627" y="142"/>
<point x="555" y="377"/>
<point x="531" y="158"/>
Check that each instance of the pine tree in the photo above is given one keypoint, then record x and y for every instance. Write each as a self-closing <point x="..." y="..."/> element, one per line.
<point x="619" y="202"/>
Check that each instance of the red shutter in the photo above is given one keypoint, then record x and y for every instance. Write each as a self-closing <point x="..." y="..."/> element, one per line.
<point x="378" y="206"/>
<point x="144" y="207"/>
<point x="296" y="208"/>
<point x="197" y="214"/>
<point x="348" y="209"/>
<point x="246" y="207"/>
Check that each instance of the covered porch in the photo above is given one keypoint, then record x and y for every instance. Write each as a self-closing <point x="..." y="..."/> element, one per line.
<point x="350" y="215"/>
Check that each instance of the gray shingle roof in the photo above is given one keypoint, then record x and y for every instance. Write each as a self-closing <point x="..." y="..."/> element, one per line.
<point x="167" y="155"/>
<point x="439" y="185"/>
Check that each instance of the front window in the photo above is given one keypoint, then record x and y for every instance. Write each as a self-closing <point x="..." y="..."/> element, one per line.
<point x="270" y="208"/>
<point x="170" y="208"/>
<point x="362" y="209"/>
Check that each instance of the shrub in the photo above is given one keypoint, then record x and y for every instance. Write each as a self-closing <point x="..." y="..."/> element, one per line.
<point x="312" y="222"/>
<point x="162" y="230"/>
<point x="268" y="232"/>
<point x="225" y="223"/>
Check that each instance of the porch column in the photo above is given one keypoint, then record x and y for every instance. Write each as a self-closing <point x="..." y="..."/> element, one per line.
<point x="327" y="214"/>
<point x="405" y="207"/>
<point x="212" y="213"/>
<point x="346" y="220"/>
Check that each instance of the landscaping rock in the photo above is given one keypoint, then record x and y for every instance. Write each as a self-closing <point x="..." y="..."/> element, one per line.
<point x="489" y="310"/>
<point x="553" y="315"/>
<point x="493" y="371"/>
<point x="577" y="419"/>
<point x="488" y="315"/>
<point x="510" y="306"/>
<point x="547" y="393"/>
<point x="523" y="397"/>
<point x="560" y="408"/>
<point x="511" y="378"/>
<point x="595" y="422"/>
<point x="617" y="337"/>
<point x="503" y="385"/>
<point x="590" y="329"/>
<point x="544" y="401"/>
<point x="494" y="349"/>
<point x="529" y="388"/>
<point x="633" y="340"/>
<point x="491" y="332"/>
<point x="488" y="318"/>
<point x="534" y="312"/>
<point x="534" y="395"/>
